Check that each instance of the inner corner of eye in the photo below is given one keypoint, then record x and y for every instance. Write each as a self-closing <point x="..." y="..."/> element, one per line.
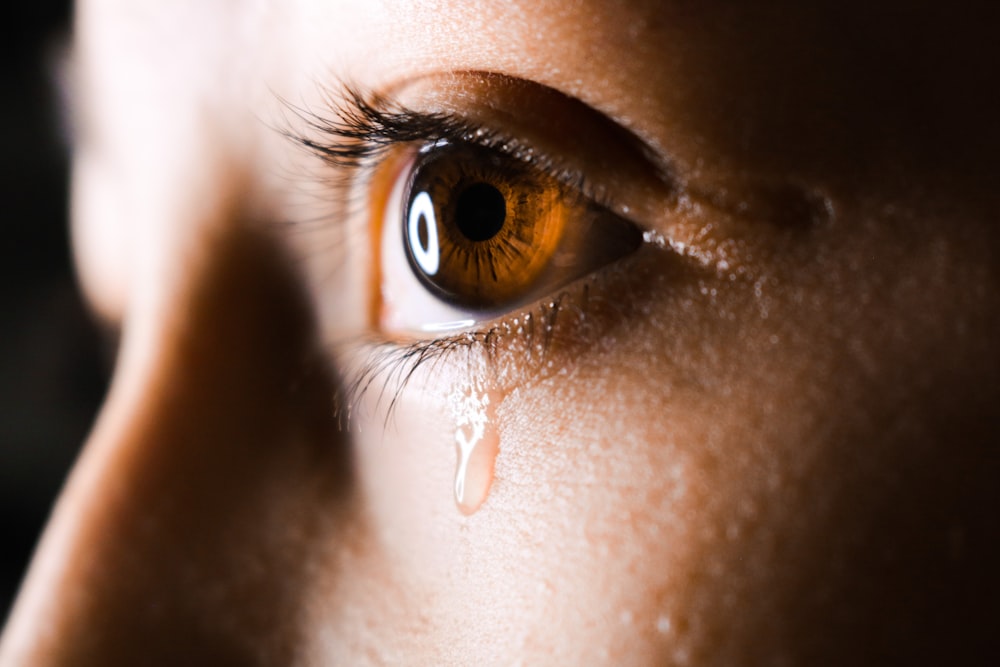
<point x="469" y="235"/>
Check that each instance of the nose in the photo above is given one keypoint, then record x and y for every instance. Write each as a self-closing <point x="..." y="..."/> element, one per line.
<point x="215" y="474"/>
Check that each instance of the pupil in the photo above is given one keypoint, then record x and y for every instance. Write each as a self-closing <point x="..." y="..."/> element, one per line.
<point x="480" y="212"/>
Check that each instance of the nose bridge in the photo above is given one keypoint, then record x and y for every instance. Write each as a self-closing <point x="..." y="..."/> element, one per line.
<point x="213" y="477"/>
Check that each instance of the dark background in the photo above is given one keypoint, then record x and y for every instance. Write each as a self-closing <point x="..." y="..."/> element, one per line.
<point x="52" y="369"/>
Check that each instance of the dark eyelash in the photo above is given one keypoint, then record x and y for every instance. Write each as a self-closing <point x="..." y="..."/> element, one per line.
<point x="365" y="126"/>
<point x="394" y="364"/>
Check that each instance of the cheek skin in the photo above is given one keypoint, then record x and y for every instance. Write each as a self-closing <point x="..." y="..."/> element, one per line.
<point x="830" y="452"/>
<point x="727" y="480"/>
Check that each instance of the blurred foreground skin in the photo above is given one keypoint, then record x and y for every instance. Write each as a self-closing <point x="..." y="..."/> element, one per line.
<point x="789" y="458"/>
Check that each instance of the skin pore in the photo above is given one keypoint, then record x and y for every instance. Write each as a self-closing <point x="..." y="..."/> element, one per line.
<point x="767" y="436"/>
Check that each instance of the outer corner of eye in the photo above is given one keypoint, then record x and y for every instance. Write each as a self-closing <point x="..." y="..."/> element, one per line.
<point x="469" y="234"/>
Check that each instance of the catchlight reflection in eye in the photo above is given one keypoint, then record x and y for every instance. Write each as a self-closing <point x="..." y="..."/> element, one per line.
<point x="421" y="234"/>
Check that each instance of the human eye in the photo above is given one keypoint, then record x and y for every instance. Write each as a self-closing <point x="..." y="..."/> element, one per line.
<point x="496" y="230"/>
<point x="471" y="220"/>
<point x="471" y="234"/>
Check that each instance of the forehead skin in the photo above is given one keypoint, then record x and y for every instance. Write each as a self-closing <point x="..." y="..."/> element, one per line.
<point x="791" y="467"/>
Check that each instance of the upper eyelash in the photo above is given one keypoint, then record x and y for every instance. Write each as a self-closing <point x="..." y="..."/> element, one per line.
<point x="366" y="126"/>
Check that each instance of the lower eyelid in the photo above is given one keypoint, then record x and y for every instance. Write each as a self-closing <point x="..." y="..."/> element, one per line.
<point x="519" y="349"/>
<point x="523" y="348"/>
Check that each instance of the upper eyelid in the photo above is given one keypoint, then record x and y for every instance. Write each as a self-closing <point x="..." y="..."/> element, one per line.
<point x="527" y="121"/>
<point x="680" y="210"/>
<point x="363" y="130"/>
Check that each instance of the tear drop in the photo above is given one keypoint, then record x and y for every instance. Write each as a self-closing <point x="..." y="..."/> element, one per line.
<point x="477" y="443"/>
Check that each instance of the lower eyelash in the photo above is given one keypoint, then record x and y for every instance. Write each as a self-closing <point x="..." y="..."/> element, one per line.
<point x="517" y="348"/>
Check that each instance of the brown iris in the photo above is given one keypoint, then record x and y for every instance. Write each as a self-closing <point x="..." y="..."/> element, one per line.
<point x="483" y="231"/>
